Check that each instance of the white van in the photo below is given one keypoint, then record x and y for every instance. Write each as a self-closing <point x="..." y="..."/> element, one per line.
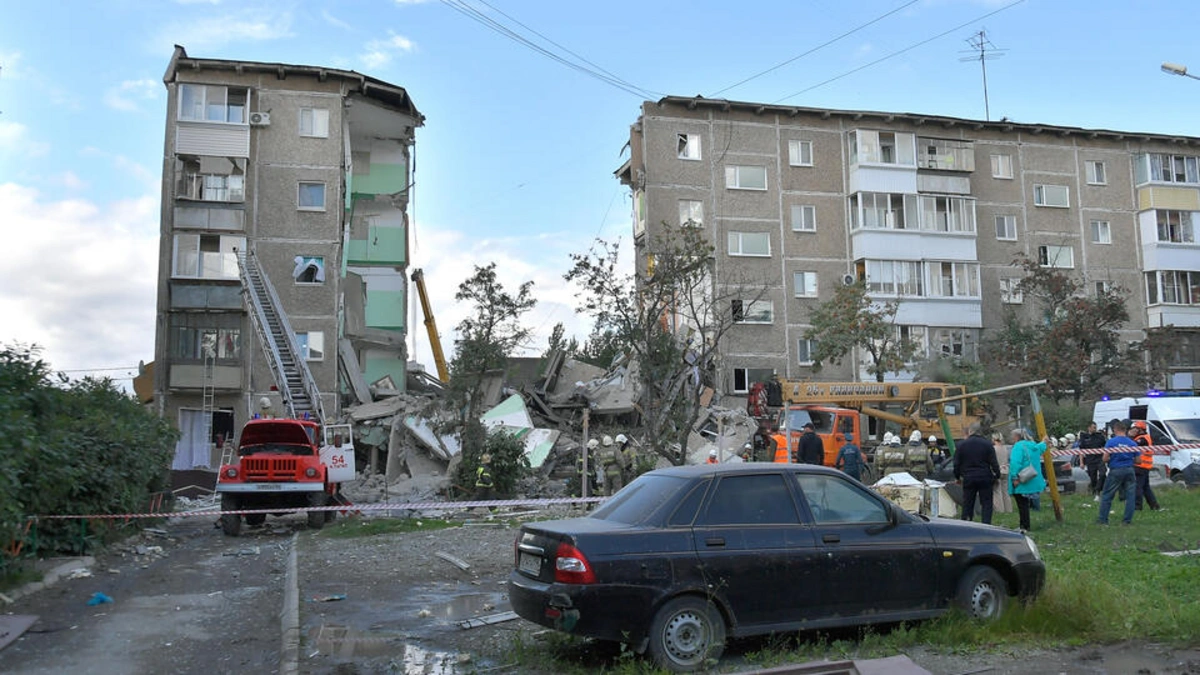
<point x="1170" y="419"/>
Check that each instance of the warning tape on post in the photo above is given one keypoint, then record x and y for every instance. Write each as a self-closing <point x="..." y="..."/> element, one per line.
<point x="346" y="508"/>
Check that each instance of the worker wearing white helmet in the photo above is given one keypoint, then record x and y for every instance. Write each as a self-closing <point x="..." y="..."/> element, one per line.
<point x="887" y="438"/>
<point x="593" y="444"/>
<point x="622" y="439"/>
<point x="915" y="437"/>
<point x="607" y="441"/>
<point x="712" y="456"/>
<point x="610" y="458"/>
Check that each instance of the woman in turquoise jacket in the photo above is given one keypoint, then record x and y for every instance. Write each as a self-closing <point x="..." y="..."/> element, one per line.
<point x="1025" y="453"/>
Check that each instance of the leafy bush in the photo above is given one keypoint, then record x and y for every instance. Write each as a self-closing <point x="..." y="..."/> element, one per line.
<point x="509" y="463"/>
<point x="74" y="447"/>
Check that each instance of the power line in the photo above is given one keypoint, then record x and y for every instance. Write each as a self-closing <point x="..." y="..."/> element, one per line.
<point x="814" y="49"/>
<point x="98" y="370"/>
<point x="474" y="14"/>
<point x="901" y="51"/>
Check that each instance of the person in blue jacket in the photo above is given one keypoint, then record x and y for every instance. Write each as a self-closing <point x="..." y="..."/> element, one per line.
<point x="1025" y="453"/>
<point x="1119" y="452"/>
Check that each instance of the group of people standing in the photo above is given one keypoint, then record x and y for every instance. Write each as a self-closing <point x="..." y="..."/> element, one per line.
<point x="977" y="469"/>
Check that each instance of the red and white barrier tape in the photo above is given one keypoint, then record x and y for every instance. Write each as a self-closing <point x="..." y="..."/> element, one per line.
<point x="400" y="506"/>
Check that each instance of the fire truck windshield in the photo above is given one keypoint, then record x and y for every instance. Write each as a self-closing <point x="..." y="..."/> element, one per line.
<point x="822" y="421"/>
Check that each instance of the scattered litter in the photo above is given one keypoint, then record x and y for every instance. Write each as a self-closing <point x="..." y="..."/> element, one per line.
<point x="487" y="607"/>
<point x="215" y="593"/>
<point x="1176" y="554"/>
<point x="424" y="614"/>
<point x="7" y="600"/>
<point x="457" y="562"/>
<point x="253" y="550"/>
<point x="487" y="620"/>
<point x="329" y="598"/>
<point x="156" y="532"/>
<point x="98" y="598"/>
<point x="113" y="570"/>
<point x="79" y="573"/>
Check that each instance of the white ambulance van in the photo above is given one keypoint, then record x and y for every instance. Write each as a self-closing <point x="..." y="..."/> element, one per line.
<point x="1171" y="420"/>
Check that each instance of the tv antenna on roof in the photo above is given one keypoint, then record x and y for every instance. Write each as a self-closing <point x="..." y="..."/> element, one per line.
<point x="986" y="50"/>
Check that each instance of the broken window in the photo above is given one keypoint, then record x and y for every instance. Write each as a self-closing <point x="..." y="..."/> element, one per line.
<point x="212" y="179"/>
<point x="192" y="335"/>
<point x="309" y="269"/>
<point x="312" y="345"/>
<point x="212" y="103"/>
<point x="688" y="146"/>
<point x="754" y="311"/>
<point x="743" y="378"/>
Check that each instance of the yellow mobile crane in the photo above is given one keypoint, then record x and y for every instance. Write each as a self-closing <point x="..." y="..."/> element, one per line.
<point x="435" y="343"/>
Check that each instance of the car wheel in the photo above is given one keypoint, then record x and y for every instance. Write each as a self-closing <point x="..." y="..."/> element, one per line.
<point x="231" y="523"/>
<point x="685" y="634"/>
<point x="316" y="519"/>
<point x="982" y="593"/>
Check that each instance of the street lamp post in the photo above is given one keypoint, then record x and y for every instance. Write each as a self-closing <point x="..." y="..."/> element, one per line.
<point x="1176" y="69"/>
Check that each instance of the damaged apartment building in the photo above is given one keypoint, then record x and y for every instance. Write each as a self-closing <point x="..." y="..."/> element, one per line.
<point x="305" y="171"/>
<point x="926" y="209"/>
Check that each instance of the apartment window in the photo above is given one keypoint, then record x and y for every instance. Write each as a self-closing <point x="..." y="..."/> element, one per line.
<point x="914" y="335"/>
<point x="309" y="269"/>
<point x="1095" y="173"/>
<point x="1103" y="288"/>
<point x="211" y="103"/>
<point x="746" y="177"/>
<point x="1056" y="256"/>
<point x="744" y="377"/>
<point x="210" y="179"/>
<point x="1010" y="291"/>
<point x="691" y="213"/>
<point x="800" y="153"/>
<point x="688" y="146"/>
<point x="312" y="345"/>
<point x="314" y="122"/>
<point x="947" y="214"/>
<point x="1006" y="228"/>
<point x="805" y="348"/>
<point x="946" y="154"/>
<point x="1172" y="168"/>
<point x="193" y="336"/>
<point x="1175" y="226"/>
<point x="311" y="196"/>
<point x="891" y="211"/>
<point x="206" y="256"/>
<point x="895" y="277"/>
<point x="954" y="280"/>
<point x="1101" y="232"/>
<point x="1002" y="166"/>
<point x="754" y="311"/>
<point x="749" y="244"/>
<point x="1058" y="196"/>
<point x="954" y="342"/>
<point x="882" y="147"/>
<point x="639" y="213"/>
<point x="805" y="284"/>
<point x="804" y="218"/>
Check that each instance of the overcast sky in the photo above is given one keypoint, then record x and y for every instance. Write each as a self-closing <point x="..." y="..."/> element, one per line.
<point x="515" y="162"/>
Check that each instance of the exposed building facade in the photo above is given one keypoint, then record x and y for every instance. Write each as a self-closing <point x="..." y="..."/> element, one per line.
<point x="927" y="209"/>
<point x="308" y="168"/>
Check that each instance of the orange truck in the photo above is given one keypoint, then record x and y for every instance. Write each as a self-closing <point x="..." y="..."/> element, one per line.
<point x="838" y="408"/>
<point x="281" y="464"/>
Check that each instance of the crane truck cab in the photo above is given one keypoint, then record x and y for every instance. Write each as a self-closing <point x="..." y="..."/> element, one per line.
<point x="1171" y="420"/>
<point x="282" y="464"/>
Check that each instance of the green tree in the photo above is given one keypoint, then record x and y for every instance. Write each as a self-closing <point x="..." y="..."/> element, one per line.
<point x="670" y="320"/>
<point x="1066" y="336"/>
<point x="850" y="320"/>
<point x="601" y="347"/>
<point x="558" y="342"/>
<point x="508" y="463"/>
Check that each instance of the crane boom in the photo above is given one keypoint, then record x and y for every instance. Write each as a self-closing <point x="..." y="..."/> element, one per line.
<point x="435" y="343"/>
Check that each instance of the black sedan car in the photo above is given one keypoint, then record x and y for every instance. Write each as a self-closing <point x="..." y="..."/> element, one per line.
<point x="683" y="557"/>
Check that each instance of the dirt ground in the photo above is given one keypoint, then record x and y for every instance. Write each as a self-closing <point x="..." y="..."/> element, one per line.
<point x="193" y="601"/>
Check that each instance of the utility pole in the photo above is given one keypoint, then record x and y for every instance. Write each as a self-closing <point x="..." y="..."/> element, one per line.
<point x="986" y="50"/>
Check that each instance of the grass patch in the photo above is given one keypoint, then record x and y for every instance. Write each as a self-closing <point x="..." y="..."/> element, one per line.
<point x="369" y="527"/>
<point x="17" y="575"/>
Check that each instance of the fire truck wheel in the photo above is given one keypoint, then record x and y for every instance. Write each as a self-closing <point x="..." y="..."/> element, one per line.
<point x="231" y="523"/>
<point x="316" y="519"/>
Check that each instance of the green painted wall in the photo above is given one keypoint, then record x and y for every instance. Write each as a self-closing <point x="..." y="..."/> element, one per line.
<point x="378" y="367"/>
<point x="385" y="309"/>
<point x="383" y="246"/>
<point x="383" y="179"/>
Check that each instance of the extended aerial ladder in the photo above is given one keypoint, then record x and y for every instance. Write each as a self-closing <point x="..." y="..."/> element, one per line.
<point x="275" y="334"/>
<point x="435" y="343"/>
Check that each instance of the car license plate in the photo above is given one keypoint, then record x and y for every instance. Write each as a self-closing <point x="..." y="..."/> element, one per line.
<point x="529" y="563"/>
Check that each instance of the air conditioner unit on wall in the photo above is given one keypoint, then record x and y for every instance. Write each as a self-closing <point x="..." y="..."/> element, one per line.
<point x="848" y="280"/>
<point x="260" y="119"/>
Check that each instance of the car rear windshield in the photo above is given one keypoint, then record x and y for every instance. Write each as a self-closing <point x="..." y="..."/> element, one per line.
<point x="640" y="499"/>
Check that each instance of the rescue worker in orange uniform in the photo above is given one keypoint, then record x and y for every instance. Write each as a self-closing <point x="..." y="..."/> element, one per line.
<point x="1143" y="464"/>
<point x="782" y="454"/>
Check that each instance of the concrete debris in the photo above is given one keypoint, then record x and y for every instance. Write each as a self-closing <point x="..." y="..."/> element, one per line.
<point x="487" y="620"/>
<point x="454" y="560"/>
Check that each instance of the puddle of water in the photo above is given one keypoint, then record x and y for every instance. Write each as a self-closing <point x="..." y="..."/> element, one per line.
<point x="468" y="606"/>
<point x="343" y="643"/>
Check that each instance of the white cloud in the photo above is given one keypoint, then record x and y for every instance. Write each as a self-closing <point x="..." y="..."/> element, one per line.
<point x="70" y="180"/>
<point x="379" y="53"/>
<point x="16" y="142"/>
<point x="10" y="62"/>
<point x="129" y="93"/>
<point x="216" y="31"/>
<point x="80" y="278"/>
<point x="334" y="21"/>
